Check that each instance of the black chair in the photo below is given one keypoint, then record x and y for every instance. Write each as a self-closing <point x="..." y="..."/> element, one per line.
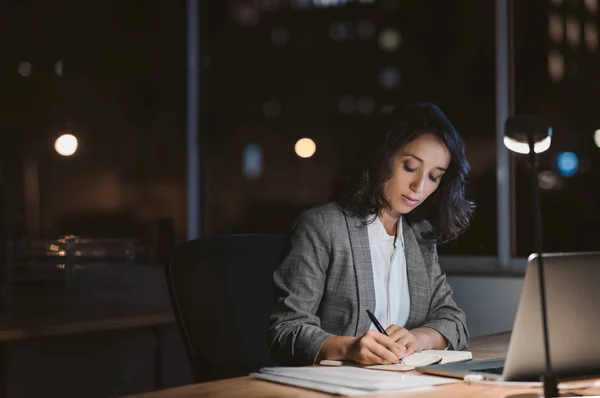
<point x="222" y="294"/>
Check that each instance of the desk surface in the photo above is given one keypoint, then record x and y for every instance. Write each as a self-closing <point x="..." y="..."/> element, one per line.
<point x="486" y="347"/>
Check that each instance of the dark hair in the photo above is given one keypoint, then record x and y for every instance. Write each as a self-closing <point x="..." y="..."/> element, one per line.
<point x="447" y="209"/>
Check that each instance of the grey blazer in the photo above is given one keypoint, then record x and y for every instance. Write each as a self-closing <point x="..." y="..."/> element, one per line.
<point x="324" y="286"/>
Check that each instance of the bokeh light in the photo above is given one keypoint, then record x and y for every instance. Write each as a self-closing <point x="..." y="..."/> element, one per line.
<point x="66" y="145"/>
<point x="567" y="164"/>
<point x="253" y="161"/>
<point x="549" y="180"/>
<point x="305" y="147"/>
<point x="389" y="40"/>
<point x="24" y="69"/>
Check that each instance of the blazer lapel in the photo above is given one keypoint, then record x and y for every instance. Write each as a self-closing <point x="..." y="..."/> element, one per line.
<point x="365" y="288"/>
<point x="418" y="285"/>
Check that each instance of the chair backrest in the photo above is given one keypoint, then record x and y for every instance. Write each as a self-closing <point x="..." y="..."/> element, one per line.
<point x="221" y="288"/>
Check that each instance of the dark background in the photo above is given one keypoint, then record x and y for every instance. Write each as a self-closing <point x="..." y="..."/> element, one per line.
<point x="273" y="72"/>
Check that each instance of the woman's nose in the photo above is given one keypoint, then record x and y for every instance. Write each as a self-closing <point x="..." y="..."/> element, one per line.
<point x="417" y="185"/>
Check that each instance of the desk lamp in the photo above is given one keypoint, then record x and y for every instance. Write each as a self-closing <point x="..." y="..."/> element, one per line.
<point x="529" y="134"/>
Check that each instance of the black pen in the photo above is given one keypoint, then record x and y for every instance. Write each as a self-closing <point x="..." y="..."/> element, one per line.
<point x="376" y="323"/>
<point x="378" y="326"/>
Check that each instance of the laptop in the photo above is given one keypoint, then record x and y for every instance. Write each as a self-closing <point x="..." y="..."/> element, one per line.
<point x="573" y="310"/>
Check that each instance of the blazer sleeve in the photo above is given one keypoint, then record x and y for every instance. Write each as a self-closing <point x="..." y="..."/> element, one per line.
<point x="444" y="315"/>
<point x="295" y="334"/>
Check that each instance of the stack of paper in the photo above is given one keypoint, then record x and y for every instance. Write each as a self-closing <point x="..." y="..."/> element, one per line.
<point x="349" y="380"/>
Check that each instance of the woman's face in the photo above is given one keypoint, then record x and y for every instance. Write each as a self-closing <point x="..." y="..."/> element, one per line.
<point x="417" y="171"/>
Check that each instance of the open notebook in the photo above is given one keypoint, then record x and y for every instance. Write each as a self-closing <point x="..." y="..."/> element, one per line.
<point x="427" y="357"/>
<point x="423" y="358"/>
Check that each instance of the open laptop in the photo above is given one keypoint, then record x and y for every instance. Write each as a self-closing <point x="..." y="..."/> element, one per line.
<point x="573" y="306"/>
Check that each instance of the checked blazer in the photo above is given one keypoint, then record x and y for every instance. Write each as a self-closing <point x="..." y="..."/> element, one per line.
<point x="324" y="285"/>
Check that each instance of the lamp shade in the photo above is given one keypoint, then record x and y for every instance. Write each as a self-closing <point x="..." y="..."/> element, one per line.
<point x="518" y="130"/>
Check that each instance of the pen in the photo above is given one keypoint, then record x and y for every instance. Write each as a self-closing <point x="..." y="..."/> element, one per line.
<point x="378" y="326"/>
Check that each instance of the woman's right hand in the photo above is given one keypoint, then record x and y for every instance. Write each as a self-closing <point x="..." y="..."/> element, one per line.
<point x="374" y="348"/>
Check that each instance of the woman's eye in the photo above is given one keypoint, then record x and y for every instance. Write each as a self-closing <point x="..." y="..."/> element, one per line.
<point x="434" y="179"/>
<point x="408" y="169"/>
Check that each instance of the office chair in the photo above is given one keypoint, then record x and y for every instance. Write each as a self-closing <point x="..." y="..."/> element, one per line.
<point x="222" y="295"/>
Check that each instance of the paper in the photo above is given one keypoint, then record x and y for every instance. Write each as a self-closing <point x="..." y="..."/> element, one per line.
<point x="329" y="388"/>
<point x="357" y="380"/>
<point x="397" y="367"/>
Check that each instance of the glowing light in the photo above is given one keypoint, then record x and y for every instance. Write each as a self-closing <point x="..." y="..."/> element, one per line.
<point x="548" y="180"/>
<point x="305" y="147"/>
<point x="389" y="77"/>
<point x="556" y="66"/>
<point x="389" y="40"/>
<point x="521" y="147"/>
<point x="573" y="32"/>
<point x="66" y="145"/>
<point x="590" y="34"/>
<point x="58" y="68"/>
<point x="597" y="138"/>
<point x="591" y="6"/>
<point x="24" y="69"/>
<point x="567" y="163"/>
<point x="556" y="29"/>
<point x="253" y="164"/>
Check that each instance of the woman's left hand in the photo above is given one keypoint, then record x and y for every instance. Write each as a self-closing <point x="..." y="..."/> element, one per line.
<point x="405" y="339"/>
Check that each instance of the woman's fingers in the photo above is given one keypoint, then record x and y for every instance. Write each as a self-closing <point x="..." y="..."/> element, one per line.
<point x="396" y="332"/>
<point x="405" y="339"/>
<point x="385" y="347"/>
<point x="411" y="348"/>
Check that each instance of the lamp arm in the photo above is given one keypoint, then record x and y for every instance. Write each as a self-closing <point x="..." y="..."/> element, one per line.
<point x="550" y="381"/>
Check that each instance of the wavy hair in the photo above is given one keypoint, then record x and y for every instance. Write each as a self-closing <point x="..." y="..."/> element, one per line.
<point x="447" y="209"/>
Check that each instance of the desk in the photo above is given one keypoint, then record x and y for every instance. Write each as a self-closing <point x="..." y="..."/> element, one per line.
<point x="486" y="347"/>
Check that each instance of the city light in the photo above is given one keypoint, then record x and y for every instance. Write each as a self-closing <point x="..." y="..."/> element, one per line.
<point x="253" y="161"/>
<point x="24" y="69"/>
<point x="567" y="163"/>
<point x="66" y="145"/>
<point x="305" y="147"/>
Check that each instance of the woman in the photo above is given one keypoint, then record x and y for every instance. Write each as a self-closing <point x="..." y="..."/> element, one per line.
<point x="369" y="250"/>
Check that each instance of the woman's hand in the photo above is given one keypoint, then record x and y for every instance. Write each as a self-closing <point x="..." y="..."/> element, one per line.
<point x="374" y="348"/>
<point x="416" y="340"/>
<point x="407" y="341"/>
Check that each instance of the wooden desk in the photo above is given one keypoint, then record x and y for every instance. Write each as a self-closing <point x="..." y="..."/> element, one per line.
<point x="486" y="347"/>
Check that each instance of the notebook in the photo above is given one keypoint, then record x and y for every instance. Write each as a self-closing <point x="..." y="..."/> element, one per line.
<point x="423" y="358"/>
<point x="427" y="357"/>
<point x="349" y="380"/>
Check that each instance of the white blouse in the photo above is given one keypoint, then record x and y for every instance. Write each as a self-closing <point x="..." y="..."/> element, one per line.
<point x="392" y="297"/>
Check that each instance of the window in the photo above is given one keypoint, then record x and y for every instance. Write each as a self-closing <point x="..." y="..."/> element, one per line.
<point x="567" y="94"/>
<point x="110" y="73"/>
<point x="329" y="71"/>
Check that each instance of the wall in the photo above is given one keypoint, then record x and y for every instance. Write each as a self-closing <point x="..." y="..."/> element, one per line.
<point x="489" y="302"/>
